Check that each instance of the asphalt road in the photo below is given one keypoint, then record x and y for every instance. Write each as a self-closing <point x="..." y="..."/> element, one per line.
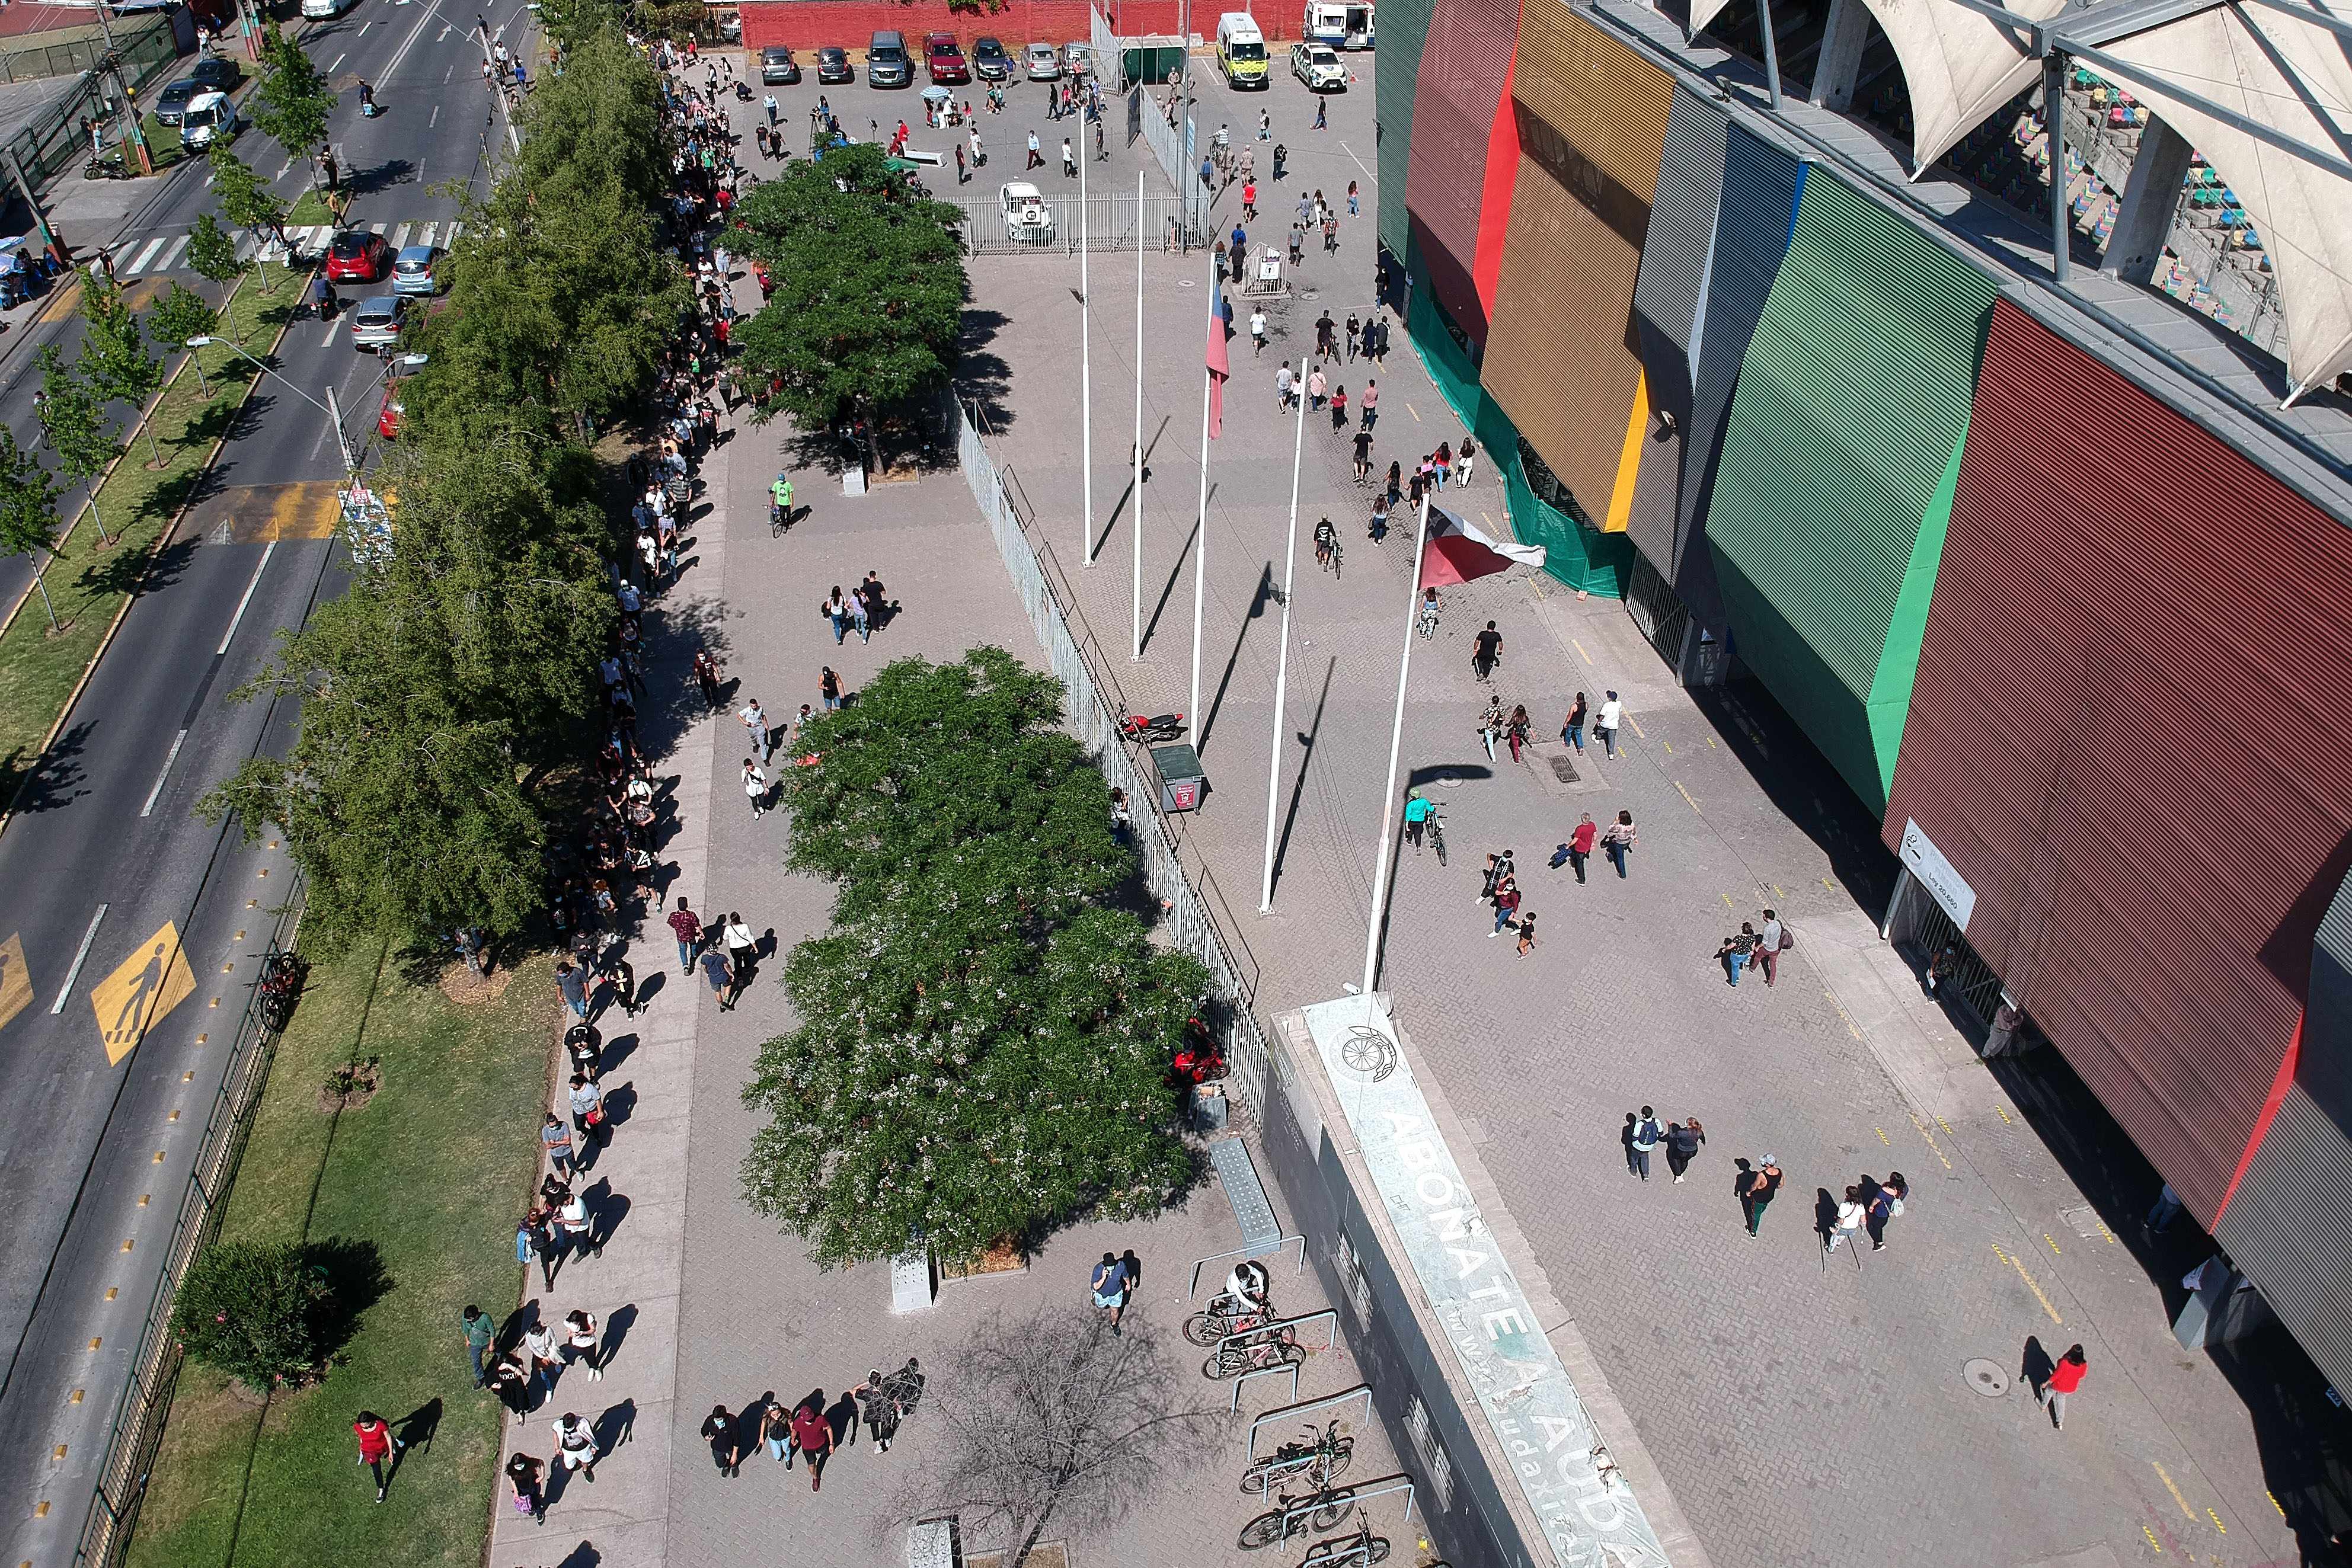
<point x="105" y="860"/>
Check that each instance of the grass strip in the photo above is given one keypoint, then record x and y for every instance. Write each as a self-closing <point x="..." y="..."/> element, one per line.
<point x="431" y="1172"/>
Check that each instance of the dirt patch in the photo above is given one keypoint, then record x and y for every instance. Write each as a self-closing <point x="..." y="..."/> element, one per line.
<point x="1004" y="1258"/>
<point x="466" y="988"/>
<point x="351" y="1086"/>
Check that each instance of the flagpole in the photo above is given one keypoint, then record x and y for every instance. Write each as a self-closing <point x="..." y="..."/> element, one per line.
<point x="1200" y="524"/>
<point x="1396" y="740"/>
<point x="1086" y="349"/>
<point x="1282" y="662"/>
<point x="1135" y="600"/>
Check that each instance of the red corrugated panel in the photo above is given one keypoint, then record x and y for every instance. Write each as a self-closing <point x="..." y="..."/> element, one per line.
<point x="1464" y="65"/>
<point x="2127" y="736"/>
<point x="1494" y="206"/>
<point x="811" y="24"/>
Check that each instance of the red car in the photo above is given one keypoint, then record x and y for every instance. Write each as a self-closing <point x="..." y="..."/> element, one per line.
<point x="944" y="60"/>
<point x="356" y="256"/>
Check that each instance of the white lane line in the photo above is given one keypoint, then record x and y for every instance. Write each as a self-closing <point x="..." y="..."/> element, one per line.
<point x="407" y="43"/>
<point x="430" y="229"/>
<point x="169" y="757"/>
<point x="451" y="237"/>
<point x="446" y="31"/>
<point x="338" y="64"/>
<point x="375" y="228"/>
<point x="172" y="256"/>
<point x="81" y="955"/>
<point x="136" y="267"/>
<point x="1358" y="162"/>
<point x="328" y="340"/>
<point x="436" y="109"/>
<point x="267" y="551"/>
<point x="122" y="255"/>
<point x="281" y="171"/>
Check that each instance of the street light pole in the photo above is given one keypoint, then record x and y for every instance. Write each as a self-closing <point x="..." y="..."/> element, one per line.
<point x="1282" y="662"/>
<point x="1086" y="351"/>
<point x="1135" y="523"/>
<point x="331" y="408"/>
<point x="1396" y="741"/>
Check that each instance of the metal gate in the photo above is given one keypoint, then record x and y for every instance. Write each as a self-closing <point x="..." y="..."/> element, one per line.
<point x="1659" y="612"/>
<point x="1968" y="981"/>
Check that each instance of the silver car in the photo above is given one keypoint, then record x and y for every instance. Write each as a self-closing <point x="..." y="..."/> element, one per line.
<point x="375" y="323"/>
<point x="1040" y="63"/>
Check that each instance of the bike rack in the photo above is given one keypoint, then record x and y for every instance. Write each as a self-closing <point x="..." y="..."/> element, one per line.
<point x="1292" y="1411"/>
<point x="1251" y="1336"/>
<point x="1289" y="1366"/>
<point x="1381" y="1488"/>
<point x="1306" y="1505"/>
<point x="1278" y="1244"/>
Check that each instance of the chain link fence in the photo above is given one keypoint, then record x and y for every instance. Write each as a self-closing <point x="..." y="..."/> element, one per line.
<point x="1175" y="141"/>
<point x="1113" y="223"/>
<point x="138" y="1415"/>
<point x="58" y="138"/>
<point x="1195" y="918"/>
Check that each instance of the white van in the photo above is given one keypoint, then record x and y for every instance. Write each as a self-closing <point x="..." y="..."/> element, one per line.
<point x="1241" y="49"/>
<point x="320" y="10"/>
<point x="1342" y="24"/>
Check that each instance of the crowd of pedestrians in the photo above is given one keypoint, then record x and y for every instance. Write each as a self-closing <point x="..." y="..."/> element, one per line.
<point x="810" y="1431"/>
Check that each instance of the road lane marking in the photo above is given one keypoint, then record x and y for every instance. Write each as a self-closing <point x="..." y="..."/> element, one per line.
<point x="81" y="954"/>
<point x="425" y="236"/>
<point x="165" y="772"/>
<point x="1687" y="795"/>
<point x="16" y="981"/>
<point x="1579" y="650"/>
<point x="328" y="340"/>
<point x="437" y="113"/>
<point x="259" y="567"/>
<point x="2186" y="1512"/>
<point x="2030" y="1282"/>
<point x="129" y="1002"/>
<point x="172" y="256"/>
<point x="338" y="64"/>
<point x="400" y="236"/>
<point x="136" y="267"/>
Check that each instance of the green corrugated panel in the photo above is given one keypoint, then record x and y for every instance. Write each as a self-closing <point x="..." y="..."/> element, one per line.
<point x="1574" y="551"/>
<point x="1835" y="483"/>
<point x="1403" y="27"/>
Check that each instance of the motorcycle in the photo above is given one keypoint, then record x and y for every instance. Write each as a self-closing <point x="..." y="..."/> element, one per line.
<point x="1160" y="726"/>
<point x="110" y="166"/>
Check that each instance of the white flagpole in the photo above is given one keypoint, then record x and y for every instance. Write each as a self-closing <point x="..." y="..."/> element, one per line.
<point x="1086" y="349"/>
<point x="1282" y="662"/>
<point x="1201" y="529"/>
<point x="1134" y="522"/>
<point x="1396" y="740"/>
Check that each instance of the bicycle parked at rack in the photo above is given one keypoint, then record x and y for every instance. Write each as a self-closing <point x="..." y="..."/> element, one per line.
<point x="1322" y="1456"/>
<point x="1294" y="1516"/>
<point x="1231" y="1311"/>
<point x="1238" y="1353"/>
<point x="1360" y="1548"/>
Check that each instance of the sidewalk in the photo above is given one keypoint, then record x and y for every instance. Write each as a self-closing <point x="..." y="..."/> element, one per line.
<point x="1804" y="1409"/>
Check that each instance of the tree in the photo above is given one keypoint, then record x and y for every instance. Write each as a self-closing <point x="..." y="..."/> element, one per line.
<point x="114" y="360"/>
<point x="84" y="434"/>
<point x="1053" y="1415"/>
<point x="212" y="254"/>
<point x="984" y="1047"/>
<point x="179" y="316"/>
<point x="29" y="512"/>
<point x="870" y="288"/>
<point x="260" y="1311"/>
<point x="293" y="103"/>
<point x="245" y="200"/>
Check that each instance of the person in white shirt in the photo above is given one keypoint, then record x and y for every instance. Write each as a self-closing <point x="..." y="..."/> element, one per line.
<point x="755" y="786"/>
<point x="1605" y="722"/>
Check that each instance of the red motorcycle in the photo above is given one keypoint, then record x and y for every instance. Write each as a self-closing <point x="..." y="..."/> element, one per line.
<point x="1198" y="1059"/>
<point x="1163" y="727"/>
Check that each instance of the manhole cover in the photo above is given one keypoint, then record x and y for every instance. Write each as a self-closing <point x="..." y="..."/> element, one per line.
<point x="1986" y="1379"/>
<point x="1563" y="769"/>
<point x="1310" y="294"/>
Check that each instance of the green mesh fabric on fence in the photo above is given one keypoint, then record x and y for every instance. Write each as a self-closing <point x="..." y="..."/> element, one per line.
<point x="1576" y="553"/>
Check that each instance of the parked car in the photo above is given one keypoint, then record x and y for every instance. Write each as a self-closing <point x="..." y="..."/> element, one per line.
<point x="416" y="270"/>
<point x="988" y="60"/>
<point x="210" y="117"/>
<point x="1040" y="63"/>
<point x="887" y="61"/>
<point x="777" y="65"/>
<point x="1078" y="57"/>
<point x="1318" y="65"/>
<point x="832" y="66"/>
<point x="355" y="256"/>
<point x="1027" y="218"/>
<point x="388" y="413"/>
<point x="376" y="323"/>
<point x="944" y="58"/>
<point x="211" y="74"/>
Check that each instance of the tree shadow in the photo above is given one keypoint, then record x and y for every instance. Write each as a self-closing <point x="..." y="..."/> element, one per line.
<point x="45" y="781"/>
<point x="355" y="1274"/>
<point x="982" y="377"/>
<point x="378" y="177"/>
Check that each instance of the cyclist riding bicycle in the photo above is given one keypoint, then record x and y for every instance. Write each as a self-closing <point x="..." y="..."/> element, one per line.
<point x="1325" y="536"/>
<point x="781" y="493"/>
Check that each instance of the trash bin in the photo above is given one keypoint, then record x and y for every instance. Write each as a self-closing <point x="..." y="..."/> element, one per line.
<point x="1182" y="783"/>
<point x="1209" y="1108"/>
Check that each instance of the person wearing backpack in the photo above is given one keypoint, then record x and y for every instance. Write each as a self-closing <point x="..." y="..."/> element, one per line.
<point x="1641" y="1135"/>
<point x="1772" y="941"/>
<point x="1886" y="1204"/>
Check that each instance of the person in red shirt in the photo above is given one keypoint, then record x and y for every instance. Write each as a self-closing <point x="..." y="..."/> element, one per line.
<point x="2063" y="1379"/>
<point x="377" y="1445"/>
<point x="688" y="927"/>
<point x="813" y="1435"/>
<point x="1580" y="845"/>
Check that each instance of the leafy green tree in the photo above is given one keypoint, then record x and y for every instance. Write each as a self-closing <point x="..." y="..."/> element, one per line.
<point x="179" y="316"/>
<point x="293" y="103"/>
<point x="87" y="437"/>
<point x="246" y="201"/>
<point x="29" y="512"/>
<point x="869" y="289"/>
<point x="985" y="1043"/>
<point x="114" y="360"/>
<point x="262" y="1312"/>
<point x="212" y="254"/>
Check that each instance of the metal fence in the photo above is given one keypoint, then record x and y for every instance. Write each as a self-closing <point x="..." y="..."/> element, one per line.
<point x="1114" y="223"/>
<point x="135" y="37"/>
<point x="58" y="139"/>
<point x="1196" y="918"/>
<point x="1176" y="143"/>
<point x="138" y="1415"/>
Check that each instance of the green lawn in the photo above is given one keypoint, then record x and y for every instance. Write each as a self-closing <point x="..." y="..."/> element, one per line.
<point x="432" y="1172"/>
<point x="87" y="579"/>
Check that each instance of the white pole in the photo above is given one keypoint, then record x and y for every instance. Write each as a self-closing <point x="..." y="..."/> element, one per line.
<point x="1282" y="661"/>
<point x="1134" y="522"/>
<point x="1396" y="739"/>
<point x="1201" y="527"/>
<point x="1086" y="349"/>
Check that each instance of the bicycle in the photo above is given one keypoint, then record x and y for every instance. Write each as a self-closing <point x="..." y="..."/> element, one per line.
<point x="1287" y="1520"/>
<point x="1328" y="559"/>
<point x="1321" y="1457"/>
<point x="1223" y="1318"/>
<point x="1437" y="834"/>
<point x="1236" y="1354"/>
<point x="1358" y="1548"/>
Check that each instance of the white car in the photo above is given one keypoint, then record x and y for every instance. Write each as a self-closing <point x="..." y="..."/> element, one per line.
<point x="1040" y="63"/>
<point x="1027" y="218"/>
<point x="1318" y="65"/>
<point x="209" y="116"/>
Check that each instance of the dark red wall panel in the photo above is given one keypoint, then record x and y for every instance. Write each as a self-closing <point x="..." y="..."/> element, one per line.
<point x="2128" y="734"/>
<point x="811" y="24"/>
<point x="1465" y="68"/>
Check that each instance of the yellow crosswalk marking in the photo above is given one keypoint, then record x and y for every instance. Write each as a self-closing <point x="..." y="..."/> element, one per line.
<point x="16" y="983"/>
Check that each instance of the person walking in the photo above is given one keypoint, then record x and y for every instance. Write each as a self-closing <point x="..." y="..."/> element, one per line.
<point x="1109" y="1284"/>
<point x="377" y="1445"/>
<point x="828" y="687"/>
<point x="1417" y="810"/>
<point x="1485" y="652"/>
<point x="556" y="1139"/>
<point x="1036" y="159"/>
<point x="587" y="1110"/>
<point x="755" y="725"/>
<point x="836" y="610"/>
<point x="1516" y="727"/>
<point x="720" y="978"/>
<point x="686" y="927"/>
<point x="1886" y="1204"/>
<point x="1771" y="943"/>
<point x="876" y="598"/>
<point x="1340" y="408"/>
<point x="522" y="1475"/>
<point x="1845" y="1220"/>
<point x="480" y="1333"/>
<point x="1461" y="463"/>
<point x="1618" y="841"/>
<point x="2065" y="1378"/>
<point x="1069" y="161"/>
<point x="1257" y="332"/>
<point x="538" y="1343"/>
<point x="1757" y="1186"/>
<point x="1737" y="949"/>
<point x="1283" y="385"/>
<point x="1506" y="905"/>
<point x="576" y="1228"/>
<point x="813" y="1435"/>
<point x="534" y="1239"/>
<point x="1363" y="444"/>
<point x="582" y="1335"/>
<point x="575" y="1446"/>
<point x="880" y="1408"/>
<point x="1571" y="729"/>
<point x="1490" y="874"/>
<point x="1315" y="383"/>
<point x="1321" y="105"/>
<point x="725" y="1436"/>
<point x="1684" y="1141"/>
<point x="572" y="984"/>
<point x="774" y="1426"/>
<point x="755" y="787"/>
<point x="511" y="1382"/>
<point x="1429" y="608"/>
<point x="1579" y="843"/>
<point x="1641" y="1135"/>
<point x="1368" y="405"/>
<point x="1527" y="933"/>
<point x="1249" y="199"/>
<point x="743" y="947"/>
<point x="1605" y="723"/>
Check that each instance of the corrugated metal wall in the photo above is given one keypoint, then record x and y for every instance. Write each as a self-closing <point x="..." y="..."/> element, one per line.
<point x="1564" y="362"/>
<point x="1464" y="64"/>
<point x="1403" y="24"/>
<point x="1838" y="459"/>
<point x="2147" y="783"/>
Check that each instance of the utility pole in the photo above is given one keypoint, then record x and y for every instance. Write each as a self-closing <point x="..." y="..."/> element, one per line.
<point x="56" y="246"/>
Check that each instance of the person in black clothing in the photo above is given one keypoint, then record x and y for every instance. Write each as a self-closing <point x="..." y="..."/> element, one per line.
<point x="725" y="1440"/>
<point x="1363" y="456"/>
<point x="1683" y="1141"/>
<point x="1757" y="1186"/>
<point x="1487" y="652"/>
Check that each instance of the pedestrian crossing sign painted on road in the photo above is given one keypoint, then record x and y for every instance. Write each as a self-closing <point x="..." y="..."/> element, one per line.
<point x="153" y="980"/>
<point x="15" y="984"/>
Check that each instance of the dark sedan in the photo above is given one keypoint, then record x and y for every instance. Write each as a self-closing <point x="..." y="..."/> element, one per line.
<point x="832" y="66"/>
<point x="988" y="60"/>
<point x="211" y="75"/>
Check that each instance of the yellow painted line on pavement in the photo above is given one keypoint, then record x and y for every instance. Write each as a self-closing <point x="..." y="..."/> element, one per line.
<point x="2031" y="1284"/>
<point x="1414" y="412"/>
<point x="1669" y="745"/>
<point x="2002" y="1111"/>
<point x="2053" y="1243"/>
<point x="64" y="303"/>
<point x="1635" y="728"/>
<point x="1775" y="886"/>
<point x="1711" y="745"/>
<point x="2274" y="1501"/>
<point x="1931" y="1141"/>
<point x="1580" y="649"/>
<point x="2217" y="1521"/>
<point x="1883" y="1137"/>
<point x="1727" y="902"/>
<point x="15" y="982"/>
<point x="1946" y="1126"/>
<point x="2105" y="1232"/>
<point x="2186" y="1512"/>
<point x="2152" y="1543"/>
<point x="1687" y="795"/>
<point x="1828" y="883"/>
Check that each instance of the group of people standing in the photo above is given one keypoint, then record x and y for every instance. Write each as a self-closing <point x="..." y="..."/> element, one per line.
<point x="814" y="1429"/>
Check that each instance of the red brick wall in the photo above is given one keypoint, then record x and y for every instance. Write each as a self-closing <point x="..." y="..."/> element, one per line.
<point x="807" y="24"/>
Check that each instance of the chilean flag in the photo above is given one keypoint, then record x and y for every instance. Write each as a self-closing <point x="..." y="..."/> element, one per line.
<point x="1221" y="316"/>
